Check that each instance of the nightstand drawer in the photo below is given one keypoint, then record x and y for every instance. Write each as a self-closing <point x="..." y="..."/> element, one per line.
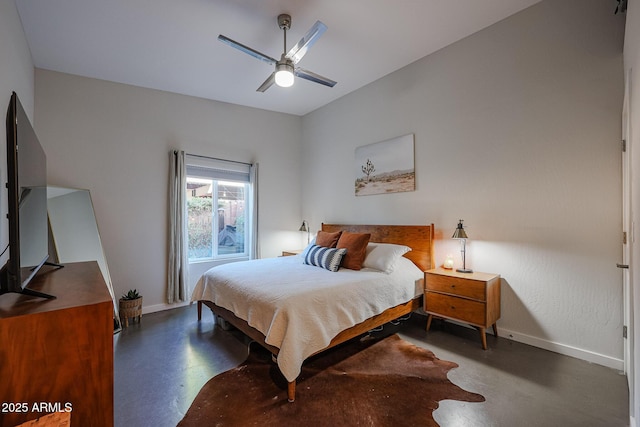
<point x="457" y="286"/>
<point x="456" y="308"/>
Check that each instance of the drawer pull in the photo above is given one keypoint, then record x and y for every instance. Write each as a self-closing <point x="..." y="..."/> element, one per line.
<point x="453" y="286"/>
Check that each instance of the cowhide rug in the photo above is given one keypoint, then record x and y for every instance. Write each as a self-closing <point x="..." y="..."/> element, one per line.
<point x="386" y="382"/>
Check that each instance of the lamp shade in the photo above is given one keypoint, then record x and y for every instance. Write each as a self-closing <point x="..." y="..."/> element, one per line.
<point x="459" y="233"/>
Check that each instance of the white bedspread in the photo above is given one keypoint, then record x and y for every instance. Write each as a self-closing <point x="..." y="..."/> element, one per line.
<point x="300" y="308"/>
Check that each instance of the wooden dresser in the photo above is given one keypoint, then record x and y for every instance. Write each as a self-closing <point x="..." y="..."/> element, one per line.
<point x="472" y="298"/>
<point x="56" y="355"/>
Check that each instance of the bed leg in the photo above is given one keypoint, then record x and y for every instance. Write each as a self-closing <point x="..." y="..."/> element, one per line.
<point x="199" y="311"/>
<point x="291" y="391"/>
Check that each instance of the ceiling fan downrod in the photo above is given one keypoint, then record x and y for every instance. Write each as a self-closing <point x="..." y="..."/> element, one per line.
<point x="284" y="22"/>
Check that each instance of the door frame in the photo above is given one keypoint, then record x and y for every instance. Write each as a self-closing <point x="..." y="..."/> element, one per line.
<point x="627" y="246"/>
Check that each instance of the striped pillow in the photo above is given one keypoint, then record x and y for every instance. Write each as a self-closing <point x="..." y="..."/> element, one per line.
<point x="328" y="258"/>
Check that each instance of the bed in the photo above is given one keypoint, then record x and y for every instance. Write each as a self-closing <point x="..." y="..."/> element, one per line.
<point x="296" y="310"/>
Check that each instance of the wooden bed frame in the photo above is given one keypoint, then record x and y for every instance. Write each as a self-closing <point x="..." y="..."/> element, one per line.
<point x="418" y="237"/>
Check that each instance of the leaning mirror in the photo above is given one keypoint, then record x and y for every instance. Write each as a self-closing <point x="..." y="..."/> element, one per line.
<point x="75" y="235"/>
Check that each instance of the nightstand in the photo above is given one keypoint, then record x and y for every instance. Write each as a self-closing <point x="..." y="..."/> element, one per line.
<point x="472" y="298"/>
<point x="292" y="252"/>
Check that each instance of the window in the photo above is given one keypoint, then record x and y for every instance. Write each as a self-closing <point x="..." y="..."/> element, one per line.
<point x="218" y="209"/>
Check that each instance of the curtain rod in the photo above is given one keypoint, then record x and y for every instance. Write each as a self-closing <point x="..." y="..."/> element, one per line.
<point x="216" y="158"/>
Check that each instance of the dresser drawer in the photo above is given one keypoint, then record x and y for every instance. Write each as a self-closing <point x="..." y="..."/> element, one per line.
<point x="457" y="286"/>
<point x="456" y="308"/>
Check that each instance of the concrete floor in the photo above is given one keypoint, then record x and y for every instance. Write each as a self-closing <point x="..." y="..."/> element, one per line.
<point x="161" y="364"/>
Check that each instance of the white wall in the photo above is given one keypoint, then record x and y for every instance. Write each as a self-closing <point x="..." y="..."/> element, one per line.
<point x="632" y="67"/>
<point x="115" y="139"/>
<point x="16" y="66"/>
<point x="517" y="132"/>
<point x="16" y="75"/>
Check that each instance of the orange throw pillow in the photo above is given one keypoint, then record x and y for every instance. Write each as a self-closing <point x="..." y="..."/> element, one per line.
<point x="327" y="240"/>
<point x="356" y="245"/>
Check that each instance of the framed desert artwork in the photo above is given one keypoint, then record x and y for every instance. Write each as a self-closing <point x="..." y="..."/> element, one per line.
<point x="385" y="167"/>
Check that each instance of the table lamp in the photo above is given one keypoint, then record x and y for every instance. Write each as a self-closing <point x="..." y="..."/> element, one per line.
<point x="305" y="227"/>
<point x="462" y="235"/>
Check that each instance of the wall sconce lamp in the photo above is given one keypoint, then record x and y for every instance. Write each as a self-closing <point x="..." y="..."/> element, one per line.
<point x="462" y="236"/>
<point x="305" y="227"/>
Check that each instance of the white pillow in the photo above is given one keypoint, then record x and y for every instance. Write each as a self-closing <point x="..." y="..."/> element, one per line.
<point x="383" y="256"/>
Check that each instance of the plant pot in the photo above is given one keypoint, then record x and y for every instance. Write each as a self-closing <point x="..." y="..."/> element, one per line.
<point x="130" y="308"/>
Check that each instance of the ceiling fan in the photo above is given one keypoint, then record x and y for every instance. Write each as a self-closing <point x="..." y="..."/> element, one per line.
<point x="286" y="67"/>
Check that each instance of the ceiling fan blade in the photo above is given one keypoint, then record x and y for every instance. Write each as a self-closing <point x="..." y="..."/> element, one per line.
<point x="313" y="77"/>
<point x="267" y="83"/>
<point x="246" y="49"/>
<point x="296" y="53"/>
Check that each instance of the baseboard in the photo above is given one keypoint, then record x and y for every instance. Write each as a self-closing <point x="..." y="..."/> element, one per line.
<point x="567" y="350"/>
<point x="161" y="307"/>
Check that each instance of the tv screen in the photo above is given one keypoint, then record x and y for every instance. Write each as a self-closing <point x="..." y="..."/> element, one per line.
<point x="27" y="203"/>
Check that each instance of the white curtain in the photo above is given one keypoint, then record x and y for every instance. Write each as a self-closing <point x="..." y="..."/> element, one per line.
<point x="253" y="178"/>
<point x="177" y="285"/>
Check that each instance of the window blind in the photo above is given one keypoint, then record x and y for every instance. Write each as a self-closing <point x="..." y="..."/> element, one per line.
<point x="209" y="168"/>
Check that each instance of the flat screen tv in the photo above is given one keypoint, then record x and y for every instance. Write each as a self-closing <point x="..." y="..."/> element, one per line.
<point x="27" y="207"/>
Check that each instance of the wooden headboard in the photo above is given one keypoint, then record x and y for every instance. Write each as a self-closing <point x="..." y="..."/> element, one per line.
<point x="418" y="237"/>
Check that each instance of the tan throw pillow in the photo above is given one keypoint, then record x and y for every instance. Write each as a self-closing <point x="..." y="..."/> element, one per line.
<point x="327" y="240"/>
<point x="356" y="245"/>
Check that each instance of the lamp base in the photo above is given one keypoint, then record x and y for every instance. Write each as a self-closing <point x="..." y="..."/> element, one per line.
<point x="464" y="270"/>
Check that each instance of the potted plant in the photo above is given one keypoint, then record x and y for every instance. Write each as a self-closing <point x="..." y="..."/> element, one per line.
<point x="130" y="305"/>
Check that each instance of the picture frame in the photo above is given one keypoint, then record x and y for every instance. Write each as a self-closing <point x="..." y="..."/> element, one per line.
<point x="385" y="167"/>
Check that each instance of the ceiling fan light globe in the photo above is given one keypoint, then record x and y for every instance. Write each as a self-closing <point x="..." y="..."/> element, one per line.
<point x="284" y="75"/>
<point x="284" y="78"/>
